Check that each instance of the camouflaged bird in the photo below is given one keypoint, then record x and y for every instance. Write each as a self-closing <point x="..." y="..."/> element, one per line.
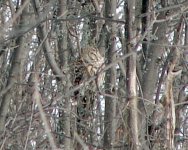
<point x="89" y="64"/>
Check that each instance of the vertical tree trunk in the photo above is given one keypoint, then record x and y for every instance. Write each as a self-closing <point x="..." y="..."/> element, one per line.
<point x="64" y="55"/>
<point x="168" y="101"/>
<point x="110" y="103"/>
<point x="17" y="66"/>
<point x="131" y="74"/>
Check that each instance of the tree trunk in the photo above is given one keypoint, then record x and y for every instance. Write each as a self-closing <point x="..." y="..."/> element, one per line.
<point x="131" y="75"/>
<point x="15" y="72"/>
<point x="110" y="86"/>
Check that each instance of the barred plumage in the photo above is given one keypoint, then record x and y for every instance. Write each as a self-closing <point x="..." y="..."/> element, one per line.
<point x="94" y="63"/>
<point x="90" y="63"/>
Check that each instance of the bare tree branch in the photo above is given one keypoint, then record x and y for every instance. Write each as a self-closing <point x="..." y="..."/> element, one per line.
<point x="37" y="98"/>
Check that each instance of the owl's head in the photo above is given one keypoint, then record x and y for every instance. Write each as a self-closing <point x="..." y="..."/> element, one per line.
<point x="92" y="56"/>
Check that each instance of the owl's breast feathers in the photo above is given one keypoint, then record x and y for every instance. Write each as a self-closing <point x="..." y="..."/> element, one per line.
<point x="94" y="63"/>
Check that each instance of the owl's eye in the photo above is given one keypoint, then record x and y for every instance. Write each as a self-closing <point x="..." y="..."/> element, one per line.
<point x="92" y="56"/>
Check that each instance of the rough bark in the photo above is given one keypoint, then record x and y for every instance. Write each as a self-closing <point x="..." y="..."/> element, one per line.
<point x="15" y="72"/>
<point x="168" y="101"/>
<point x="64" y="55"/>
<point x="154" y="52"/>
<point x="110" y="103"/>
<point x="131" y="75"/>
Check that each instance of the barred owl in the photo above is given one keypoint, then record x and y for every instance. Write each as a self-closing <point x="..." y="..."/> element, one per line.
<point x="93" y="62"/>
<point x="90" y="63"/>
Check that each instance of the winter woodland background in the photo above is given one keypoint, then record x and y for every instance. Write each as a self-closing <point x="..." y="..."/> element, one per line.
<point x="50" y="95"/>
